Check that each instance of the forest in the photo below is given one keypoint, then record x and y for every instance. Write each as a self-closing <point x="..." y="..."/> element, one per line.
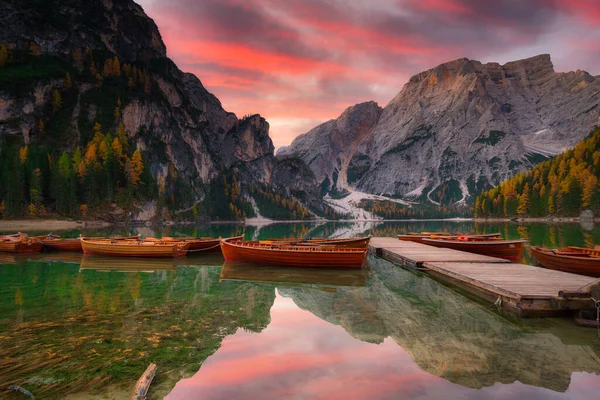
<point x="392" y="210"/>
<point x="563" y="186"/>
<point x="89" y="167"/>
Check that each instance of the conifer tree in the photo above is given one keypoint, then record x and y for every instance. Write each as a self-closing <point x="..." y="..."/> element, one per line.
<point x="56" y="100"/>
<point x="4" y="55"/>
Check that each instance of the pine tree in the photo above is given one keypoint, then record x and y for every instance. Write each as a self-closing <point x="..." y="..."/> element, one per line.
<point x="56" y="100"/>
<point x="4" y="55"/>
<point x="23" y="153"/>
<point x="523" y="207"/>
<point x="68" y="83"/>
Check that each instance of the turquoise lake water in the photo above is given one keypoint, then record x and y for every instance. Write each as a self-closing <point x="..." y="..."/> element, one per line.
<point x="83" y="327"/>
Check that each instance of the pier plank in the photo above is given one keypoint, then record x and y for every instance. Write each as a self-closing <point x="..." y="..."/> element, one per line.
<point x="524" y="289"/>
<point x="415" y="254"/>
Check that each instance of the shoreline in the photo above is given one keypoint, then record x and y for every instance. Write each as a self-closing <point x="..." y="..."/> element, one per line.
<point x="547" y="220"/>
<point x="57" y="224"/>
<point x="48" y="224"/>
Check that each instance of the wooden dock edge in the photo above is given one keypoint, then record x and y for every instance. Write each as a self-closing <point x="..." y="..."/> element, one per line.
<point x="507" y="301"/>
<point x="524" y="306"/>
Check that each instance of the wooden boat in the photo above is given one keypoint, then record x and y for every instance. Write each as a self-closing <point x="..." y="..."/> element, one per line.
<point x="576" y="260"/>
<point x="418" y="237"/>
<point x="200" y="245"/>
<point x="292" y="276"/>
<point x="130" y="248"/>
<point x="55" y="243"/>
<point x="20" y="243"/>
<point x="354" y="243"/>
<point x="293" y="256"/>
<point x="494" y="247"/>
<point x="133" y="237"/>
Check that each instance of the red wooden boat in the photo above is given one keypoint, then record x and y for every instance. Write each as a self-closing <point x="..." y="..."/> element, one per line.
<point x="354" y="243"/>
<point x="293" y="256"/>
<point x="418" y="237"/>
<point x="576" y="260"/>
<point x="20" y="243"/>
<point x="494" y="247"/>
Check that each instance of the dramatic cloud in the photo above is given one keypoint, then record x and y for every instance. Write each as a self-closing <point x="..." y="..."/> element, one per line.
<point x="300" y="63"/>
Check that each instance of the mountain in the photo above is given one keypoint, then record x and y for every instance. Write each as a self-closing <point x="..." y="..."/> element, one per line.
<point x="66" y="66"/>
<point x="328" y="149"/>
<point x="455" y="130"/>
<point x="564" y="186"/>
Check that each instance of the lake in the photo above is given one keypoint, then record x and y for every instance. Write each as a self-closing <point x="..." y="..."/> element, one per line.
<point x="82" y="327"/>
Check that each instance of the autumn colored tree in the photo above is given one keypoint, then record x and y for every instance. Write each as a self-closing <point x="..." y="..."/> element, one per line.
<point x="523" y="207"/>
<point x="56" y="100"/>
<point x="68" y="82"/>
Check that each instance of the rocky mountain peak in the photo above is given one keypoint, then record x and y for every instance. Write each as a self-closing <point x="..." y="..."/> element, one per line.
<point x="457" y="128"/>
<point x="59" y="27"/>
<point x="329" y="148"/>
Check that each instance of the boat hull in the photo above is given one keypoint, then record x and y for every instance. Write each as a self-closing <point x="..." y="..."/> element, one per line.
<point x="418" y="237"/>
<point x="133" y="249"/>
<point x="62" y="244"/>
<point x="198" y="246"/>
<point x="511" y="250"/>
<point x="31" y="246"/>
<point x="293" y="256"/>
<point x="352" y="243"/>
<point x="575" y="265"/>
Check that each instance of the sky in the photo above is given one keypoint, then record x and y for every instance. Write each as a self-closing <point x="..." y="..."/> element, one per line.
<point x="299" y="63"/>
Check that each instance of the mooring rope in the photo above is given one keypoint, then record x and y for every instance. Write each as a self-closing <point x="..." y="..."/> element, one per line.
<point x="206" y="249"/>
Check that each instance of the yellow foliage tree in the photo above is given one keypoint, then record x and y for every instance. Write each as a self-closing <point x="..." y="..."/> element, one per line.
<point x="590" y="186"/>
<point x="551" y="205"/>
<point x="56" y="100"/>
<point x="134" y="168"/>
<point x="23" y="152"/>
<point x="523" y="207"/>
<point x="68" y="83"/>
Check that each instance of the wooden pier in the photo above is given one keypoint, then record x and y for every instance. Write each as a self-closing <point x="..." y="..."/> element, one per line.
<point x="523" y="289"/>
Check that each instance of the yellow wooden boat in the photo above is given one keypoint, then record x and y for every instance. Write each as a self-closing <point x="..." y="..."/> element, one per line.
<point x="129" y="248"/>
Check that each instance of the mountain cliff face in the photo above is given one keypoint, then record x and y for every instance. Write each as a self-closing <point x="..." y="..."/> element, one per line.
<point x="329" y="148"/>
<point x="181" y="128"/>
<point x="461" y="127"/>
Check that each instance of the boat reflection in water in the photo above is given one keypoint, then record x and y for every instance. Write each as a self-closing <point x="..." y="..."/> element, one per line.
<point x="104" y="263"/>
<point x="290" y="276"/>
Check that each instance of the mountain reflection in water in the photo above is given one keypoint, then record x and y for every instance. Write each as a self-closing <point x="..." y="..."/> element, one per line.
<point x="401" y="336"/>
<point x="86" y="327"/>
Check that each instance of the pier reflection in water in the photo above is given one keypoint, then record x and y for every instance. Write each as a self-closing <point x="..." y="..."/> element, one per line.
<point x="85" y="329"/>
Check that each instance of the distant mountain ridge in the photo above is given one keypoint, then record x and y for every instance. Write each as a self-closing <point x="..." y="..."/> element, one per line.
<point x="454" y="130"/>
